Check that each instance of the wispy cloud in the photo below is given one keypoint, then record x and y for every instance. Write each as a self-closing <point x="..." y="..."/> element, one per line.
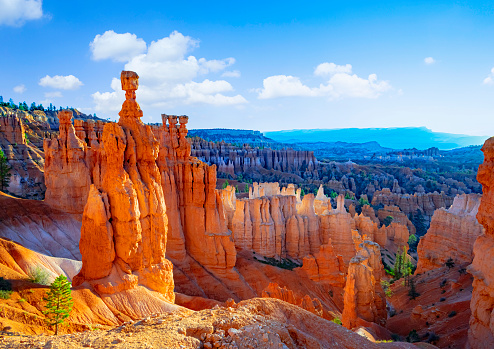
<point x="16" y="12"/>
<point x="20" y="89"/>
<point x="429" y="60"/>
<point x="69" y="82"/>
<point x="489" y="80"/>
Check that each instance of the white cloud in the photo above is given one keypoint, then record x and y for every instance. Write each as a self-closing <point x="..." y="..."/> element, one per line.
<point x="110" y="101"/>
<point x="285" y="86"/>
<point x="340" y="84"/>
<point x="69" y="82"/>
<point x="489" y="80"/>
<point x="117" y="47"/>
<point x="20" y="89"/>
<point x="326" y="68"/>
<point x="208" y="92"/>
<point x="168" y="75"/>
<point x="429" y="60"/>
<point x="54" y="94"/>
<point x="17" y="12"/>
<point x="231" y="74"/>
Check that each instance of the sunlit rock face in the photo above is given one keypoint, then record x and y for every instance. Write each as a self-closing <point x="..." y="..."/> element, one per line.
<point x="145" y="198"/>
<point x="481" y="333"/>
<point x="451" y="235"/>
<point x="124" y="225"/>
<point x="364" y="297"/>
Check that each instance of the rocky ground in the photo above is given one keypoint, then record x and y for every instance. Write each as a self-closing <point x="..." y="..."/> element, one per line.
<point x="256" y="323"/>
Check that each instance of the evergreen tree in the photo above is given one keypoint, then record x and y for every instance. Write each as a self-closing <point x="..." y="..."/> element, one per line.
<point x="1" y="99"/>
<point x="33" y="107"/>
<point x="387" y="221"/>
<point x="403" y="266"/>
<point x="4" y="171"/>
<point x="59" y="302"/>
<point x="412" y="292"/>
<point x="419" y="222"/>
<point x="225" y="184"/>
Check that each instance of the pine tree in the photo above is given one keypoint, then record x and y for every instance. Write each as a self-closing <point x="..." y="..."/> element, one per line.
<point x="59" y="302"/>
<point x="4" y="171"/>
<point x="412" y="292"/>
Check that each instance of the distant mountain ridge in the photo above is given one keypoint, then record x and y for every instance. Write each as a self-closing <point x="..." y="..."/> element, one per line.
<point x="395" y="138"/>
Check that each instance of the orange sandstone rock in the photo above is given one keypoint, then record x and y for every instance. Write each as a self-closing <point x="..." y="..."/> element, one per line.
<point x="452" y="234"/>
<point x="481" y="332"/>
<point x="125" y="216"/>
<point x="275" y="291"/>
<point x="67" y="172"/>
<point x="364" y="297"/>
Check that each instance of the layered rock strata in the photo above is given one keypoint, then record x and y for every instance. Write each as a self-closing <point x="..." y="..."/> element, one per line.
<point x="451" y="235"/>
<point x="234" y="160"/>
<point x="481" y="332"/>
<point x="425" y="203"/>
<point x="25" y="159"/>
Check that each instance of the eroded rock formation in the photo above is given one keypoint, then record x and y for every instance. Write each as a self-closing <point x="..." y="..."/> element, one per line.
<point x="234" y="160"/>
<point x="481" y="332"/>
<point x="452" y="234"/>
<point x="426" y="203"/>
<point x="307" y="303"/>
<point x="140" y="189"/>
<point x="67" y="165"/>
<point x="25" y="159"/>
<point x="124" y="228"/>
<point x="364" y="297"/>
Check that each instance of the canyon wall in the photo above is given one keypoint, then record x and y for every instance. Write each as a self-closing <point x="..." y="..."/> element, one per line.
<point x="233" y="160"/>
<point x="481" y="332"/>
<point x="425" y="203"/>
<point x="451" y="235"/>
<point x="25" y="159"/>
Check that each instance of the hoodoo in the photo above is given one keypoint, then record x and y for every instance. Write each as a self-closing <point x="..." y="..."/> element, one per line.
<point x="481" y="333"/>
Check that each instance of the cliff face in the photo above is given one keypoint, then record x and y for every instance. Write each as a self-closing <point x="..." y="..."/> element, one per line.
<point x="233" y="160"/>
<point x="25" y="159"/>
<point x="481" y="332"/>
<point x="451" y="235"/>
<point x="426" y="203"/>
<point x="39" y="227"/>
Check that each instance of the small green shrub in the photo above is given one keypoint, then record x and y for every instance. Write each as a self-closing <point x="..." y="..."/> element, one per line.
<point x="413" y="337"/>
<point x="337" y="321"/>
<point x="453" y="313"/>
<point x="450" y="263"/>
<point x="39" y="275"/>
<point x="4" y="294"/>
<point x="442" y="299"/>
<point x="21" y="300"/>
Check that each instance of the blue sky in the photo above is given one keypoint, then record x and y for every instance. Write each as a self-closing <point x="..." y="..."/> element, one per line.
<point x="266" y="65"/>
